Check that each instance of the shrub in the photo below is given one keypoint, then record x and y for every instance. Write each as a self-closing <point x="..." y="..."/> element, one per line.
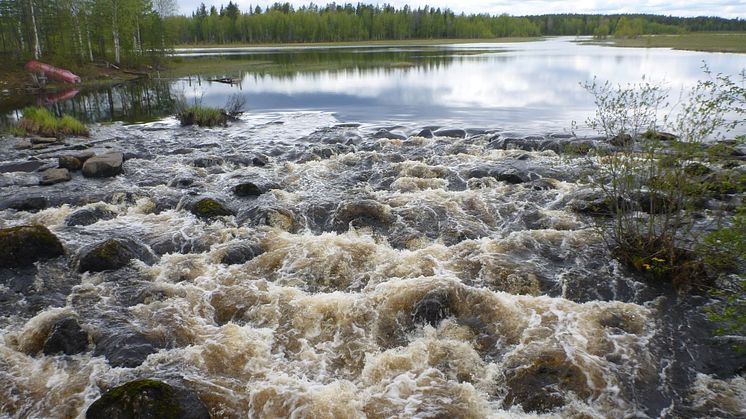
<point x="39" y="121"/>
<point x="202" y="116"/>
<point x="656" y="182"/>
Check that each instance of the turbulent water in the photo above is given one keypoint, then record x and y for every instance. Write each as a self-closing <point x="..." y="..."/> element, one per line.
<point x="355" y="233"/>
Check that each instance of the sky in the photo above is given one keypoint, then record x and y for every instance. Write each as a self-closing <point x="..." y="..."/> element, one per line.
<point x="722" y="8"/>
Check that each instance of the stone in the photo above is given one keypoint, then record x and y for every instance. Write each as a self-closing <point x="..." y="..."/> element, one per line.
<point x="67" y="337"/>
<point x="453" y="133"/>
<point x="43" y="140"/>
<point x="69" y="163"/>
<point x="105" y="165"/>
<point x="27" y="203"/>
<point x="53" y="176"/>
<point x="111" y="254"/>
<point x="364" y="212"/>
<point x="425" y="133"/>
<point x="209" y="208"/>
<point x="239" y="254"/>
<point x="126" y="349"/>
<point x="88" y="216"/>
<point x="148" y="399"/>
<point x="388" y="134"/>
<point x="26" y="166"/>
<point x="209" y="161"/>
<point x="260" y="160"/>
<point x="246" y="189"/>
<point x="23" y="245"/>
<point x="432" y="308"/>
<point x="542" y="385"/>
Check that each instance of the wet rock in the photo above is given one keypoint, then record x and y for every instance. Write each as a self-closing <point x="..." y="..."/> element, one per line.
<point x="26" y="166"/>
<point x="594" y="202"/>
<point x="246" y="189"/>
<point x="88" y="216"/>
<point x="622" y="140"/>
<point x="181" y="151"/>
<point x="23" y="144"/>
<point x="69" y="163"/>
<point x="205" y="162"/>
<point x="181" y="182"/>
<point x="209" y="208"/>
<point x="388" y="134"/>
<point x="43" y="140"/>
<point x="364" y="212"/>
<point x="425" y="133"/>
<point x="124" y="349"/>
<point x="432" y="308"/>
<point x="105" y="165"/>
<point x="53" y="176"/>
<point x="240" y="253"/>
<point x="148" y="399"/>
<point x="260" y="160"/>
<point x="541" y="386"/>
<point x="453" y="133"/>
<point x="541" y="185"/>
<point x="111" y="254"/>
<point x="514" y="171"/>
<point x="67" y="337"/>
<point x="277" y="217"/>
<point x="26" y="203"/>
<point x="24" y="245"/>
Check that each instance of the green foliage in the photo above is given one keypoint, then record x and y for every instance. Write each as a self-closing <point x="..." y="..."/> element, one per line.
<point x="39" y="121"/>
<point x="656" y="182"/>
<point x="203" y="116"/>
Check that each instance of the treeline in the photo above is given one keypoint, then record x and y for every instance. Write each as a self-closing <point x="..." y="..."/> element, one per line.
<point x="282" y="22"/>
<point x="66" y="31"/>
<point x="362" y="22"/>
<point x="135" y="31"/>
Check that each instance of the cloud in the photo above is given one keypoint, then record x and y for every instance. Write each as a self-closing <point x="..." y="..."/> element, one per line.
<point x="723" y="8"/>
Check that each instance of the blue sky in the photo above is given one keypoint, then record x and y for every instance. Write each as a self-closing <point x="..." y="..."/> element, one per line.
<point x="723" y="8"/>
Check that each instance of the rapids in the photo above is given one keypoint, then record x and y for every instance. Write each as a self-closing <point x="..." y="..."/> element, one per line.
<point x="387" y="275"/>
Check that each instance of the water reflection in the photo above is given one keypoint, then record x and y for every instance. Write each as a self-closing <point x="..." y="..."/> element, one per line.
<point x="531" y="85"/>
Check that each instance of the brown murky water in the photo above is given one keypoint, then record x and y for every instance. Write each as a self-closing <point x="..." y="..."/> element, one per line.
<point x="392" y="276"/>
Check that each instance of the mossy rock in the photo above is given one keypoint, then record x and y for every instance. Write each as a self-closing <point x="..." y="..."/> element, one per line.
<point x="247" y="189"/>
<point x="24" y="245"/>
<point x="209" y="208"/>
<point x="108" y="255"/>
<point x="146" y="399"/>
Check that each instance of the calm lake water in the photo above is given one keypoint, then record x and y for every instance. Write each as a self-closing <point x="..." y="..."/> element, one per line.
<point x="533" y="86"/>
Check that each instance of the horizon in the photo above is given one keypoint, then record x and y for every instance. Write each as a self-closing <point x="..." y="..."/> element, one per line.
<point x="729" y="9"/>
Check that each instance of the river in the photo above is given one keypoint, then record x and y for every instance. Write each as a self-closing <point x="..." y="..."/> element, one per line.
<point x="378" y="267"/>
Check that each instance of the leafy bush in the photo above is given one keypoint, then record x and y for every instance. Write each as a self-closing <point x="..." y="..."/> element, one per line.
<point x="656" y="182"/>
<point x="39" y="121"/>
<point x="206" y="116"/>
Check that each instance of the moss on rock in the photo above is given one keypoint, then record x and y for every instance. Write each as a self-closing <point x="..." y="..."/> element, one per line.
<point x="147" y="398"/>
<point x="209" y="208"/>
<point x="24" y="245"/>
<point x="110" y="254"/>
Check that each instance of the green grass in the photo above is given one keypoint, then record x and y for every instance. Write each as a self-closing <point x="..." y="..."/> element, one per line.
<point x="203" y="116"/>
<point x="39" y="121"/>
<point x="700" y="41"/>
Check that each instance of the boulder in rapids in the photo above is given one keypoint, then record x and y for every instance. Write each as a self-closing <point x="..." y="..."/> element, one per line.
<point x="209" y="208"/>
<point x="246" y="189"/>
<point x="148" y="399"/>
<point x="111" y="254"/>
<point x="53" y="176"/>
<point x="432" y="308"/>
<point x="361" y="213"/>
<point x="24" y="245"/>
<point x="67" y="337"/>
<point x="541" y="386"/>
<point x="126" y="349"/>
<point x="240" y="253"/>
<point x="453" y="133"/>
<point x="105" y="165"/>
<point x="88" y="216"/>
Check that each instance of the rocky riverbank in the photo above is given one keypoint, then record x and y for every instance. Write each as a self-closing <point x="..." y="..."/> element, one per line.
<point x="289" y="264"/>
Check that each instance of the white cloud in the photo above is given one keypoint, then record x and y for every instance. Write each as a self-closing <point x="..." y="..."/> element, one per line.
<point x="723" y="8"/>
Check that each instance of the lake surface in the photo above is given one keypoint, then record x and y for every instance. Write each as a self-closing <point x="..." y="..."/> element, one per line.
<point x="533" y="86"/>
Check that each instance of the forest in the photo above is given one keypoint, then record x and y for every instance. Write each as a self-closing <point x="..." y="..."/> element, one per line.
<point x="134" y="32"/>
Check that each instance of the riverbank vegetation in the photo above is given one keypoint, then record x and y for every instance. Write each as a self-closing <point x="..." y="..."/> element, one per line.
<point x="673" y="186"/>
<point x="711" y="42"/>
<point x="40" y="121"/>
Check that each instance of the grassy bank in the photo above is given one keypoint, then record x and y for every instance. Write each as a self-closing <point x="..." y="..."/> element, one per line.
<point x="701" y="41"/>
